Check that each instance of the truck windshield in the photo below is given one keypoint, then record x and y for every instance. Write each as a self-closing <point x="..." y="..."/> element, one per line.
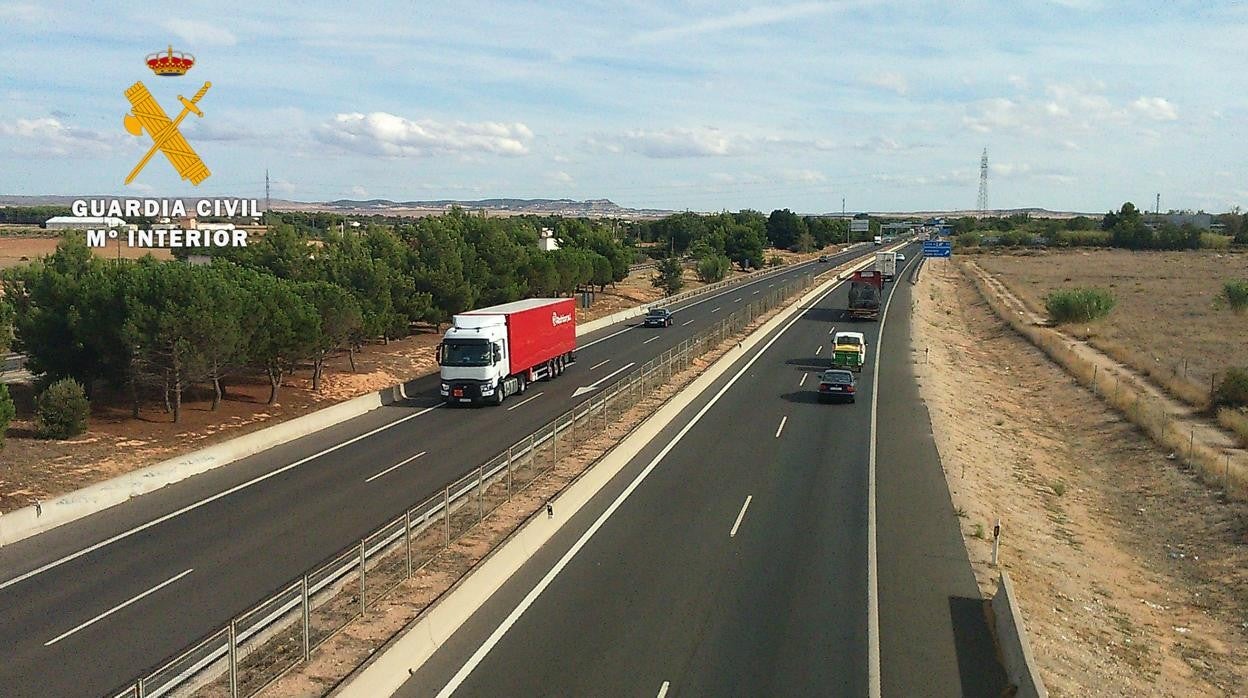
<point x="466" y="354"/>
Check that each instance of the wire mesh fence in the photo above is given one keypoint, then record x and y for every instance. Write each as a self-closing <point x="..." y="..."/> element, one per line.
<point x="260" y="645"/>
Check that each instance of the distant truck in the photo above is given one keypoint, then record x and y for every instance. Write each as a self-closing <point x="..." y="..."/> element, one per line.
<point x="886" y="264"/>
<point x="491" y="353"/>
<point x="865" y="291"/>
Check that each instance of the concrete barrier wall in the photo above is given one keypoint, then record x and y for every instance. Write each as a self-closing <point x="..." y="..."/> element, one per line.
<point x="1012" y="642"/>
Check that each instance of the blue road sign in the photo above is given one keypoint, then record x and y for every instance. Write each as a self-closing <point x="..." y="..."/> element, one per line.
<point x="937" y="248"/>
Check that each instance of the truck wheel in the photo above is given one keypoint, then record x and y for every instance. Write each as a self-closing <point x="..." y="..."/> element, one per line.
<point x="559" y="366"/>
<point x="498" y="397"/>
<point x="521" y="385"/>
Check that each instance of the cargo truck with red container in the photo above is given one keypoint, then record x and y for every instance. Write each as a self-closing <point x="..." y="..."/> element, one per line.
<point x="866" y="290"/>
<point x="491" y="353"/>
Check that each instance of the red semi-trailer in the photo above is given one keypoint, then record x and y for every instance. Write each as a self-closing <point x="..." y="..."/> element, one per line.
<point x="491" y="353"/>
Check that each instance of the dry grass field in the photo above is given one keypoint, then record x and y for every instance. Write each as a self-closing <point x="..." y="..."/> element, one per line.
<point x="1165" y="324"/>
<point x="15" y="251"/>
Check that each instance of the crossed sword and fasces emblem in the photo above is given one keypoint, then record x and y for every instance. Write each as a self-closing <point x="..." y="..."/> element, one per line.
<point x="148" y="116"/>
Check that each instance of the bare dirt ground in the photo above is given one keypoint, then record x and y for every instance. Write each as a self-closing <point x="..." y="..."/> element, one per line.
<point x="33" y="469"/>
<point x="1130" y="572"/>
<point x="22" y="250"/>
<point x="1164" y="323"/>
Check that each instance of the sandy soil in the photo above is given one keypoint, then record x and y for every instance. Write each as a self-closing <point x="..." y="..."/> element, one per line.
<point x="1165" y="316"/>
<point x="1131" y="574"/>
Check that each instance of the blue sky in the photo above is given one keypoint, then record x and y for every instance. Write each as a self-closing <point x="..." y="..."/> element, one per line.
<point x="701" y="105"/>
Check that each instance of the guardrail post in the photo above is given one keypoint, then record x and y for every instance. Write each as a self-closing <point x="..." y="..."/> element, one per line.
<point x="480" y="492"/>
<point x="363" y="552"/>
<point x="554" y="442"/>
<point x="139" y="689"/>
<point x="407" y="539"/>
<point x="307" y="619"/>
<point x="233" y="640"/>
<point x="446" y="513"/>
<point x="509" y="467"/>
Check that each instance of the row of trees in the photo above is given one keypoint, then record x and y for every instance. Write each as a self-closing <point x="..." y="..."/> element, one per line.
<point x="1124" y="228"/>
<point x="741" y="237"/>
<point x="156" y="328"/>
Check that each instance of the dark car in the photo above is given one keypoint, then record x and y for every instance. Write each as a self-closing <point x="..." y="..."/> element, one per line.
<point x="836" y="384"/>
<point x="658" y="317"/>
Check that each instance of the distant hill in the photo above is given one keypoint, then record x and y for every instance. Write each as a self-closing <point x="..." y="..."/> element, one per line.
<point x="590" y="208"/>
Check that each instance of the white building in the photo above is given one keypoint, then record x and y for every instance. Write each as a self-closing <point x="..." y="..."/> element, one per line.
<point x="546" y="241"/>
<point x="83" y="223"/>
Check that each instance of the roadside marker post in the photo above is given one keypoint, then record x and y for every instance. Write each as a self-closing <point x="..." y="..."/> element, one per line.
<point x="996" y="542"/>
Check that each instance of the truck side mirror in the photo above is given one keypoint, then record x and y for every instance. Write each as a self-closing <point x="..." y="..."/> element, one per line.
<point x="438" y="351"/>
<point x="496" y="353"/>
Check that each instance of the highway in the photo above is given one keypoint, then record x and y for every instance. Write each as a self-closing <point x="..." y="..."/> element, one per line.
<point x="730" y="557"/>
<point x="91" y="605"/>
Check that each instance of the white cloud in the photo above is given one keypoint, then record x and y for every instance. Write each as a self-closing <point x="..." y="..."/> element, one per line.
<point x="685" y="143"/>
<point x="805" y="176"/>
<point x="48" y="136"/>
<point x="752" y="17"/>
<point x="700" y="142"/>
<point x="1065" y="110"/>
<point x="1155" y="108"/>
<point x="561" y="177"/>
<point x="359" y="191"/>
<point x="387" y="135"/>
<point x="893" y="82"/>
<point x="200" y="33"/>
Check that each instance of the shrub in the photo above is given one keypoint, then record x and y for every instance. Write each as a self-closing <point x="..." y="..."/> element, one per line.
<point x="712" y="268"/>
<point x="61" y="411"/>
<point x="1235" y="293"/>
<point x="1078" y="304"/>
<point x="1213" y="241"/>
<point x="7" y="411"/>
<point x="775" y="261"/>
<point x="967" y="239"/>
<point x="1233" y="390"/>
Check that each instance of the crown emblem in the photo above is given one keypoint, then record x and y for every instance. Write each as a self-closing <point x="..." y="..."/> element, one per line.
<point x="170" y="63"/>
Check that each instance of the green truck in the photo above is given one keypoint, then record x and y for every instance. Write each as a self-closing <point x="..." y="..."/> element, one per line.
<point x="849" y="351"/>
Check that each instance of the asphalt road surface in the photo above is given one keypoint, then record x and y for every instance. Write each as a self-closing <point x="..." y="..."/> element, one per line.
<point x="89" y="606"/>
<point x="738" y="565"/>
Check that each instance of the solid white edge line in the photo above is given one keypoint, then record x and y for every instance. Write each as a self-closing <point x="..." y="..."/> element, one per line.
<point x="740" y="516"/>
<point x="649" y="340"/>
<point x="781" y="427"/>
<point x="396" y="466"/>
<point x="600" y="363"/>
<point x="873" y="592"/>
<point x="549" y="577"/>
<point x="663" y="689"/>
<point x="118" y="607"/>
<point x="526" y="400"/>
<point x="207" y="500"/>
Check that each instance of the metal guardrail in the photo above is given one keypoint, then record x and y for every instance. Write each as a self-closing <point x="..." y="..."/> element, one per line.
<point x="260" y="645"/>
